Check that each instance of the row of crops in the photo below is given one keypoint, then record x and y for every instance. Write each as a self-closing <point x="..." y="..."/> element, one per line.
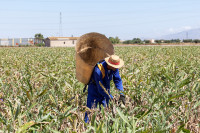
<point x="40" y="93"/>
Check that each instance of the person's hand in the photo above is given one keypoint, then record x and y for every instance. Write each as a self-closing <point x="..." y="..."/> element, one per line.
<point x="122" y="99"/>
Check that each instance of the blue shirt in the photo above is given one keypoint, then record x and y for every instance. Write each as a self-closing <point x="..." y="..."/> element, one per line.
<point x="96" y="94"/>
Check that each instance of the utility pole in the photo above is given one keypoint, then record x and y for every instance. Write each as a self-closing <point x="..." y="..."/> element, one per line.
<point x="60" y="25"/>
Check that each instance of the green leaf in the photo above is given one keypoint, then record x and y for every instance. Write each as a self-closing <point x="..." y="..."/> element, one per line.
<point x="17" y="111"/>
<point x="93" y="119"/>
<point x="99" y="128"/>
<point x="124" y="118"/>
<point x="176" y="96"/>
<point x="2" y="119"/>
<point x="45" y="118"/>
<point x="29" y="86"/>
<point x="52" y="99"/>
<point x="146" y="113"/>
<point x="43" y="92"/>
<point x="185" y="130"/>
<point x="170" y="79"/>
<point x="33" y="105"/>
<point x="180" y="128"/>
<point x="28" y="96"/>
<point x="24" y="127"/>
<point x="11" y="107"/>
<point x="184" y="82"/>
<point x="54" y="131"/>
<point x="197" y="104"/>
<point x="66" y="115"/>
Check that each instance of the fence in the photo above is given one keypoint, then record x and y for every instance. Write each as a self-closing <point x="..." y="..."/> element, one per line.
<point x="19" y="41"/>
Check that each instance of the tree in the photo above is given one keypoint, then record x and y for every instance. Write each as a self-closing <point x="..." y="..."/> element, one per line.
<point x="39" y="36"/>
<point x="175" y="41"/>
<point x="158" y="41"/>
<point x="137" y="41"/>
<point x="117" y="40"/>
<point x="196" y="41"/>
<point x="114" y="40"/>
<point x="127" y="42"/>
<point x="187" y="40"/>
<point x="39" y="40"/>
<point x="146" y="41"/>
<point x="133" y="41"/>
<point x="167" y="41"/>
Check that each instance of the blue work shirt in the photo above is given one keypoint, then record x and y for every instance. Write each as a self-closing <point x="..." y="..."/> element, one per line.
<point x="96" y="94"/>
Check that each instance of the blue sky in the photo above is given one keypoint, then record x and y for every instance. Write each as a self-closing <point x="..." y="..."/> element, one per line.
<point x="126" y="19"/>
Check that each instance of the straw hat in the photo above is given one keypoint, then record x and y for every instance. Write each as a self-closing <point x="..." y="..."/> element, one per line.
<point x="90" y="49"/>
<point x="114" y="61"/>
<point x="93" y="47"/>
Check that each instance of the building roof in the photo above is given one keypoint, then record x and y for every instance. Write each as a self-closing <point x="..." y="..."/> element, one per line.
<point x="62" y="38"/>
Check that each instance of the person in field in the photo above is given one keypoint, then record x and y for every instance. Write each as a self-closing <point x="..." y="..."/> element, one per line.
<point x="103" y="73"/>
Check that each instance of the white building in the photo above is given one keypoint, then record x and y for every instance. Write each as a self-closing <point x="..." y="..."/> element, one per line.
<point x="4" y="42"/>
<point x="152" y="41"/>
<point x="60" y="41"/>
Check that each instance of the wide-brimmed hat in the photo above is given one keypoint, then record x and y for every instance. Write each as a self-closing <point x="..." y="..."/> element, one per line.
<point x="90" y="49"/>
<point x="114" y="61"/>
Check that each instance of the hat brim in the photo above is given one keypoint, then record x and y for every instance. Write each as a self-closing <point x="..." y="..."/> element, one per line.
<point x="115" y="66"/>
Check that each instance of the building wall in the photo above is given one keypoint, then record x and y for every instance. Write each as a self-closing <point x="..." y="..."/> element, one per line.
<point x="47" y="42"/>
<point x="152" y="41"/>
<point x="16" y="41"/>
<point x="4" y="42"/>
<point x="62" y="43"/>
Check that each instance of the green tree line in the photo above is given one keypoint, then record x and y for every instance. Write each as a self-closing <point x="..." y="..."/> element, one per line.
<point x="116" y="40"/>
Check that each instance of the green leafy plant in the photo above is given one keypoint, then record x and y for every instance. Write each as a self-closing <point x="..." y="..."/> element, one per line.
<point x="39" y="91"/>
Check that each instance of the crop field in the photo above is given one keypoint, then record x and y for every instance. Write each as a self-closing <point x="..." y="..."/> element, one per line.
<point x="39" y="92"/>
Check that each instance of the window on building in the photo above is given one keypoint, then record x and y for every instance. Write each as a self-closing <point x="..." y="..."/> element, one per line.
<point x="64" y="42"/>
